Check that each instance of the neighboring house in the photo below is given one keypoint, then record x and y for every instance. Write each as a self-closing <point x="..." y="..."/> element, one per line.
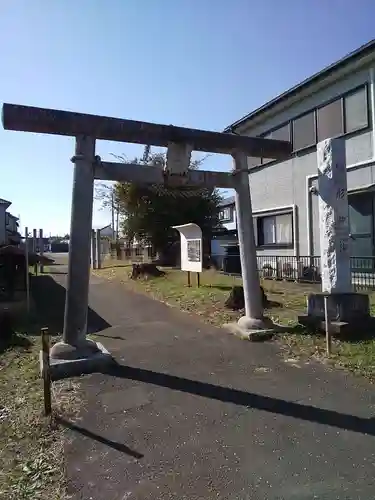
<point x="8" y="225"/>
<point x="4" y="205"/>
<point x="227" y="232"/>
<point x="46" y="244"/>
<point x="107" y="231"/>
<point x="11" y="225"/>
<point x="227" y="214"/>
<point x="338" y="101"/>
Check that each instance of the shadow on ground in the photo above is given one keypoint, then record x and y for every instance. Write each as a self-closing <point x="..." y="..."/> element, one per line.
<point x="356" y="337"/>
<point x="247" y="399"/>
<point x="14" y="340"/>
<point x="49" y="298"/>
<point x="122" y="448"/>
<point x="223" y="288"/>
<point x="114" y="266"/>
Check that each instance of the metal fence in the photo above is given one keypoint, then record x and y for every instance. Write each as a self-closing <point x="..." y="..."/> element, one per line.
<point x="121" y="252"/>
<point x="301" y="269"/>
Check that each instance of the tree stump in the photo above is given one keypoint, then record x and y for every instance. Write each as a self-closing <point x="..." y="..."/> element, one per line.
<point x="146" y="270"/>
<point x="236" y="299"/>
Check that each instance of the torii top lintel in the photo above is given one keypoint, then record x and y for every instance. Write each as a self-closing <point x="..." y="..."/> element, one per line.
<point x="53" y="121"/>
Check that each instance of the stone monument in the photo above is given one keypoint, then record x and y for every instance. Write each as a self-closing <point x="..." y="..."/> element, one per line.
<point x="333" y="217"/>
<point x="345" y="307"/>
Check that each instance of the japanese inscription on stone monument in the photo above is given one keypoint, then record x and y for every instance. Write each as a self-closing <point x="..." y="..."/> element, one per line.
<point x="333" y="216"/>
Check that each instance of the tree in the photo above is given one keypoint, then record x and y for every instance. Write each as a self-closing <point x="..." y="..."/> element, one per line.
<point x="106" y="194"/>
<point x="148" y="212"/>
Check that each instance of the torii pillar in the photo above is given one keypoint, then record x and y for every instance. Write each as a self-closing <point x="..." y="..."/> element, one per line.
<point x="76" y="354"/>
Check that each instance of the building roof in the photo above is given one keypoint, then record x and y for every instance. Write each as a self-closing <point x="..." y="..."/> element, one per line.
<point x="227" y="201"/>
<point x="13" y="216"/>
<point x="5" y="202"/>
<point x="351" y="57"/>
<point x="106" y="227"/>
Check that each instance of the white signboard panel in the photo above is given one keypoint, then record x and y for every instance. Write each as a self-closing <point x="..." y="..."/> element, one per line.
<point x="194" y="250"/>
<point x="191" y="247"/>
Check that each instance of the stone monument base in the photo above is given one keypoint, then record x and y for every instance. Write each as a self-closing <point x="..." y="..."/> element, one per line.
<point x="349" y="313"/>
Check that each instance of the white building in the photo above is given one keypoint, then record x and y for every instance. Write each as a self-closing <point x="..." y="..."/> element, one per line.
<point x="338" y="101"/>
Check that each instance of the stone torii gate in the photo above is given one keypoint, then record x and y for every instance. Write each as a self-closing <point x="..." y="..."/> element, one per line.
<point x="75" y="348"/>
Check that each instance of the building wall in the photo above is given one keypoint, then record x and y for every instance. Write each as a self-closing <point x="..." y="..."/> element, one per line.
<point x="287" y="183"/>
<point x="218" y="245"/>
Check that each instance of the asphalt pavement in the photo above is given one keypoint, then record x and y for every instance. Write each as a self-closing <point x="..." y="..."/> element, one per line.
<point x="191" y="412"/>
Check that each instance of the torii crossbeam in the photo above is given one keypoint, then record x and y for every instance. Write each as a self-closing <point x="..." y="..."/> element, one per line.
<point x="76" y="354"/>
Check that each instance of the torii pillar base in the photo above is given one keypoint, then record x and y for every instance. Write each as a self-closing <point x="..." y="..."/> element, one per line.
<point x="70" y="361"/>
<point x="252" y="329"/>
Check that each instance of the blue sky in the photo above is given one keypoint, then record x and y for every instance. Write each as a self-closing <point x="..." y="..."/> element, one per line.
<point x="196" y="63"/>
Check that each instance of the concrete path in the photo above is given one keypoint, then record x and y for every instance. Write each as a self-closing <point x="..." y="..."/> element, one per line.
<point x="191" y="412"/>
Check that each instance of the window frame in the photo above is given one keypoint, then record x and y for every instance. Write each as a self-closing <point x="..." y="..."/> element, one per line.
<point x="314" y="143"/>
<point x="330" y="101"/>
<point x="340" y="101"/>
<point x="260" y="231"/>
<point x="368" y="113"/>
<point x="314" y="110"/>
<point x="224" y="219"/>
<point x="265" y="161"/>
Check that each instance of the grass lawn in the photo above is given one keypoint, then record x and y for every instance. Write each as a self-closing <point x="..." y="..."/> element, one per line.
<point x="31" y="450"/>
<point x="207" y="301"/>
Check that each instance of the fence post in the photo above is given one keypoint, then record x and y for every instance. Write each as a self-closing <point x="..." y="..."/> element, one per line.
<point x="46" y="372"/>
<point x="27" y="269"/>
<point x="34" y="251"/>
<point x="94" y="250"/>
<point x="98" y="249"/>
<point x="328" y="327"/>
<point x="41" y="250"/>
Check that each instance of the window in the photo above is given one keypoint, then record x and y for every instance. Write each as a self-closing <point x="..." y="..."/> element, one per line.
<point x="275" y="230"/>
<point x="346" y="114"/>
<point x="279" y="134"/>
<point x="225" y="214"/>
<point x="330" y="120"/>
<point x="356" y="110"/>
<point x="304" y="131"/>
